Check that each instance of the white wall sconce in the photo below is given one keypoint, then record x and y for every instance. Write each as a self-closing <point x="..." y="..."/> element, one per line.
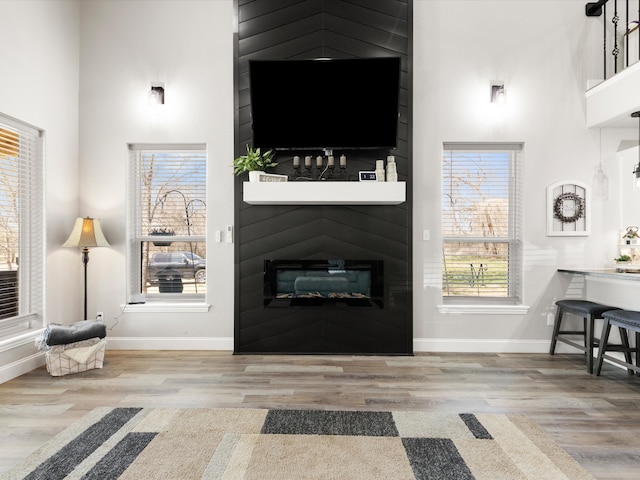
<point x="156" y="95"/>
<point x="497" y="93"/>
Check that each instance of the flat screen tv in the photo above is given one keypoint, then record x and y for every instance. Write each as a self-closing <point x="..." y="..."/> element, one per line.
<point x="325" y="104"/>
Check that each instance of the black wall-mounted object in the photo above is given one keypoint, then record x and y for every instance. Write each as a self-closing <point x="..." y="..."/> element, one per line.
<point x="337" y="29"/>
<point x="594" y="9"/>
<point x="325" y="104"/>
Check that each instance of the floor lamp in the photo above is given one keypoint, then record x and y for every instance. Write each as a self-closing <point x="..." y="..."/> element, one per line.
<point x="86" y="233"/>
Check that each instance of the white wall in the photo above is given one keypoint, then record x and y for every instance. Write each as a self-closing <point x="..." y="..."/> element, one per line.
<point x="538" y="48"/>
<point x="460" y="46"/>
<point x="125" y="46"/>
<point x="39" y="85"/>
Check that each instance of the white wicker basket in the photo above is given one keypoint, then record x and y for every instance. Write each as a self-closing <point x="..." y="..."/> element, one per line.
<point x="63" y="359"/>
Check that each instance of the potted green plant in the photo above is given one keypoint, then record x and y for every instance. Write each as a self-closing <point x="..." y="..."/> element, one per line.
<point x="162" y="232"/>
<point x="254" y="161"/>
<point x="623" y="259"/>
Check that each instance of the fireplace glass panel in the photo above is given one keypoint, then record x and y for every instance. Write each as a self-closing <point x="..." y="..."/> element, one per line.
<point x="353" y="283"/>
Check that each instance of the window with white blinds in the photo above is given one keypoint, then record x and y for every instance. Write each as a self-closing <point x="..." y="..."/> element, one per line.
<point x="481" y="248"/>
<point x="21" y="228"/>
<point x="167" y="221"/>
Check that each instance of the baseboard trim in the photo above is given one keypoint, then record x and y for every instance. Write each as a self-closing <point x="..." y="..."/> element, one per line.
<point x="20" y="367"/>
<point x="169" y="343"/>
<point x="419" y="344"/>
<point x="463" y="345"/>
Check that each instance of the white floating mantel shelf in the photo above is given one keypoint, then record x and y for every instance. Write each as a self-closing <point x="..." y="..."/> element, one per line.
<point x="324" y="193"/>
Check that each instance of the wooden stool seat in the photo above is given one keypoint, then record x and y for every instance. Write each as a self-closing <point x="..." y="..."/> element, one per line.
<point x="589" y="312"/>
<point x="625" y="320"/>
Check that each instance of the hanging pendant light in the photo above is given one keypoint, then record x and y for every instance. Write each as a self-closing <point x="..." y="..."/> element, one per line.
<point x="636" y="170"/>
<point x="600" y="179"/>
<point x="600" y="184"/>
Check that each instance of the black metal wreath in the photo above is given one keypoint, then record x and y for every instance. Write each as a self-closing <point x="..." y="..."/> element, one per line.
<point x="558" y="210"/>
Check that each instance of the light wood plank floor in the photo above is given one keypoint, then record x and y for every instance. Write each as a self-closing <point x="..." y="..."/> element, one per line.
<point x="596" y="419"/>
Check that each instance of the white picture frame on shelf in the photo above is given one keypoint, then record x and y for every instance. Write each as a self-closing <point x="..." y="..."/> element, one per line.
<point x="568" y="209"/>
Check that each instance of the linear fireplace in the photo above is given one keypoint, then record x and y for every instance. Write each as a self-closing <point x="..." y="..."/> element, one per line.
<point x="320" y="283"/>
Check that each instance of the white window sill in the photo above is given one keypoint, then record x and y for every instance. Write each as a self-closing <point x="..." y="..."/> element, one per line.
<point x="483" y="309"/>
<point x="166" y="307"/>
<point x="26" y="338"/>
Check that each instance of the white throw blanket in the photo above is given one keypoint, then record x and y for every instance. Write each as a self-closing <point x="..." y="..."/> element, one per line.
<point x="82" y="354"/>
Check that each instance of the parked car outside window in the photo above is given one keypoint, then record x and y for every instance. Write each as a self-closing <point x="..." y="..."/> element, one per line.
<point x="184" y="265"/>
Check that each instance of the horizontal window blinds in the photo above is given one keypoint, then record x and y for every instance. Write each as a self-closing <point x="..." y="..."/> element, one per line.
<point x="167" y="201"/>
<point x="476" y="194"/>
<point x="172" y="192"/>
<point x="480" y="218"/>
<point x="21" y="227"/>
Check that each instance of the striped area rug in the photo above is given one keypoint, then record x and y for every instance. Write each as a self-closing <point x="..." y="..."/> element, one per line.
<point x="259" y="444"/>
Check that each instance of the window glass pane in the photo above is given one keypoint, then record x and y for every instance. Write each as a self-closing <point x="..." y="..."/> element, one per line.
<point x="173" y="192"/>
<point x="476" y="194"/>
<point x="9" y="221"/>
<point x="178" y="268"/>
<point x="476" y="269"/>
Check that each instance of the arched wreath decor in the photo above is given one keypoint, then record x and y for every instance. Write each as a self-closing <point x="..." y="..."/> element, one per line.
<point x="559" y="207"/>
<point x="568" y="209"/>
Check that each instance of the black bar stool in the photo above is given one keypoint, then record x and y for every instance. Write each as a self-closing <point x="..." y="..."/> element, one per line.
<point x="625" y="320"/>
<point x="589" y="311"/>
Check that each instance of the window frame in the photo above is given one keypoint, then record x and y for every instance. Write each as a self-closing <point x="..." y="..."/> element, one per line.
<point x="514" y="297"/>
<point x="137" y="300"/>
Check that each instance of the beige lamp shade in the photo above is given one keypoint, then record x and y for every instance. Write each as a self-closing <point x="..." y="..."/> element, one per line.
<point x="86" y="233"/>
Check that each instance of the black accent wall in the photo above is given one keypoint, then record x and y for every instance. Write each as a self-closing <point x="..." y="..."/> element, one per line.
<point x="302" y="29"/>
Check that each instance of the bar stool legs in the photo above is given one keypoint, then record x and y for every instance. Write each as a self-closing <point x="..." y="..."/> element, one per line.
<point x="626" y="321"/>
<point x="589" y="311"/>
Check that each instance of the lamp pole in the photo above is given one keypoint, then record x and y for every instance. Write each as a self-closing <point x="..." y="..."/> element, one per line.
<point x="85" y="260"/>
